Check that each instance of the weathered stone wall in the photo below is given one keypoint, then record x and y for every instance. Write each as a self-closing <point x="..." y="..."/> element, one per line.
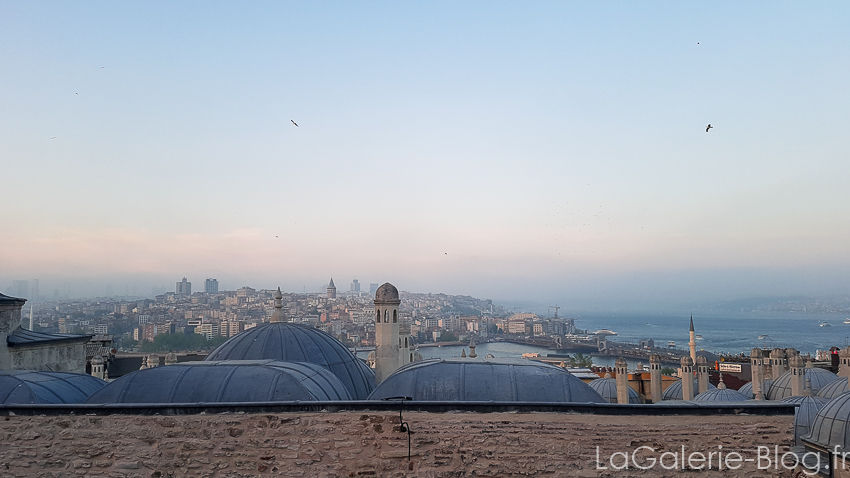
<point x="352" y="444"/>
<point x="56" y="357"/>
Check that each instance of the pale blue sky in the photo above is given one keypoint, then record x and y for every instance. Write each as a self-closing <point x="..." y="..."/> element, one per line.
<point x="551" y="150"/>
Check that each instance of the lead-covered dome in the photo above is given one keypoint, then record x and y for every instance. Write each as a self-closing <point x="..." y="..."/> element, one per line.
<point x="818" y="377"/>
<point x="720" y="394"/>
<point x="29" y="387"/>
<point x="804" y="415"/>
<point x="474" y="380"/>
<point x="747" y="389"/>
<point x="833" y="389"/>
<point x="287" y="342"/>
<point x="607" y="388"/>
<point x="239" y="381"/>
<point x="829" y="428"/>
<point x="674" y="390"/>
<point x="387" y="293"/>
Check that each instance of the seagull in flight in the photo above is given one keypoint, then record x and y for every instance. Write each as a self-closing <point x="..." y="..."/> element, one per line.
<point x="708" y="127"/>
<point x="53" y="137"/>
<point x="293" y="122"/>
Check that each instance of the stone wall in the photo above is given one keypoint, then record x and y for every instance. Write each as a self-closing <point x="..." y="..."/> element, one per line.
<point x="55" y="357"/>
<point x="350" y="444"/>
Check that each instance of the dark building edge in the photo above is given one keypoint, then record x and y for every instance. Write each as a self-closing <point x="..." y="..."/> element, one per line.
<point x="692" y="409"/>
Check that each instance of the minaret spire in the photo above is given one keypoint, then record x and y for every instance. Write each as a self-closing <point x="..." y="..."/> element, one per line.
<point x="692" y="343"/>
<point x="277" y="315"/>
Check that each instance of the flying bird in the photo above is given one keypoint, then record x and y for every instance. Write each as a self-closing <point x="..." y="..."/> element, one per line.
<point x="708" y="127"/>
<point x="53" y="137"/>
<point x="293" y="122"/>
<point x="77" y="94"/>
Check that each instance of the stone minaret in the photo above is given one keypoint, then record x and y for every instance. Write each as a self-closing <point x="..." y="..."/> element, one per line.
<point x="692" y="343"/>
<point x="757" y="369"/>
<point x="686" y="371"/>
<point x="702" y="374"/>
<point x="387" y="353"/>
<point x="844" y="362"/>
<point x="622" y="370"/>
<point x="277" y="315"/>
<point x="655" y="377"/>
<point x="798" y="375"/>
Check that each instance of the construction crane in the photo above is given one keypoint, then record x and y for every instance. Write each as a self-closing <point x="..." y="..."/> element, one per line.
<point x="556" y="309"/>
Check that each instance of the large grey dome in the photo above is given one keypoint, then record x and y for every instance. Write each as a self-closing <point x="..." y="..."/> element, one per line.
<point x="287" y="342"/>
<point x="387" y="293"/>
<point x="804" y="415"/>
<point x="834" y="388"/>
<point x="28" y="387"/>
<point x="229" y="381"/>
<point x="829" y="429"/>
<point x="607" y="387"/>
<point x="499" y="380"/>
<point x="674" y="390"/>
<point x="747" y="389"/>
<point x="818" y="377"/>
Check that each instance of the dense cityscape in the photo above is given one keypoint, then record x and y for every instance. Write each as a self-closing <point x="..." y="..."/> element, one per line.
<point x="153" y="324"/>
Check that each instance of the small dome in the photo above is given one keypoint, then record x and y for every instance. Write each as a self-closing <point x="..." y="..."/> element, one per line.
<point x="286" y="342"/>
<point x="747" y="389"/>
<point x="387" y="293"/>
<point x="607" y="387"/>
<point x="674" y="390"/>
<point x="804" y="415"/>
<point x="829" y="428"/>
<point x="833" y="389"/>
<point x="474" y="380"/>
<point x="29" y="387"/>
<point x="818" y="377"/>
<point x="720" y="395"/>
<point x="228" y="381"/>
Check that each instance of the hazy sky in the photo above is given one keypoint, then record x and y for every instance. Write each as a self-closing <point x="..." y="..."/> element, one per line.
<point x="509" y="150"/>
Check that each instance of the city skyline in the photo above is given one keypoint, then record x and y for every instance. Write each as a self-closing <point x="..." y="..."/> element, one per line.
<point x="548" y="153"/>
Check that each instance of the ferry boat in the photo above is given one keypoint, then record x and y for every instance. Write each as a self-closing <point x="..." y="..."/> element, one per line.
<point x="698" y="337"/>
<point x="847" y="320"/>
<point x="604" y="332"/>
<point x="671" y="343"/>
<point x="825" y="324"/>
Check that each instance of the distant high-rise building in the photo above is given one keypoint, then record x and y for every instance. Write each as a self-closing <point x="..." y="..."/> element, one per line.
<point x="331" y="290"/>
<point x="184" y="287"/>
<point x="355" y="285"/>
<point x="21" y="289"/>
<point x="211" y="286"/>
<point x="372" y="289"/>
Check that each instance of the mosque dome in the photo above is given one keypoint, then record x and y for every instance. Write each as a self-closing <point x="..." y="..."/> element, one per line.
<point x="607" y="387"/>
<point x="674" y="390"/>
<point x="804" y="415"/>
<point x="833" y="389"/>
<point x="286" y="342"/>
<point x="387" y="293"/>
<point x="228" y="381"/>
<point x="29" y="387"/>
<point x="747" y="389"/>
<point x="474" y="380"/>
<point x="818" y="377"/>
<point x="720" y="394"/>
<point x="829" y="428"/>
